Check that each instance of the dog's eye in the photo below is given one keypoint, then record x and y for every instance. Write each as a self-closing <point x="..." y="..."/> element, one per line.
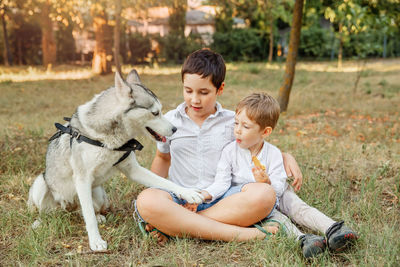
<point x="156" y="113"/>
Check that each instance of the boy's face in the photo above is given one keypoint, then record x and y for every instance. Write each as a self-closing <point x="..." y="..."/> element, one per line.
<point x="200" y="95"/>
<point x="248" y="133"/>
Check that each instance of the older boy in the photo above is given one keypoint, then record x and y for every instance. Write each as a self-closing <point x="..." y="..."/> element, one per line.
<point x="190" y="156"/>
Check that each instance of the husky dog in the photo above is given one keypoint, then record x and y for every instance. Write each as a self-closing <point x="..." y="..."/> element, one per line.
<point x="96" y="142"/>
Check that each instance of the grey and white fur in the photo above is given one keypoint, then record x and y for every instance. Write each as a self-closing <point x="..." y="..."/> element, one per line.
<point x="112" y="117"/>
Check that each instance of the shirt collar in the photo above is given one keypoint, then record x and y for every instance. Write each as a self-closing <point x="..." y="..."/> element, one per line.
<point x="247" y="152"/>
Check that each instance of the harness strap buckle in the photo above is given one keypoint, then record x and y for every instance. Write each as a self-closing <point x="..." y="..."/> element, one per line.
<point x="76" y="135"/>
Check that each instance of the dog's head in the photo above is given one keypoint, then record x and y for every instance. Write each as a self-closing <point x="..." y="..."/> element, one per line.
<point x="142" y="108"/>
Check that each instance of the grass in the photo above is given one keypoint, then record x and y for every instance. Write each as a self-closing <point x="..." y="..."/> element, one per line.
<point x="347" y="144"/>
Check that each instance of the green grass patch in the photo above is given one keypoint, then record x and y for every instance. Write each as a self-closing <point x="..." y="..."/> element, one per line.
<point x="346" y="143"/>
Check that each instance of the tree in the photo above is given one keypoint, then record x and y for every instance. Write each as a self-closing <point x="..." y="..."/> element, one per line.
<point x="175" y="45"/>
<point x="285" y="89"/>
<point x="102" y="57"/>
<point x="117" y="35"/>
<point x="224" y="16"/>
<point x="49" y="48"/>
<point x="262" y="15"/>
<point x="349" y="16"/>
<point x="271" y="33"/>
<point x="7" y="54"/>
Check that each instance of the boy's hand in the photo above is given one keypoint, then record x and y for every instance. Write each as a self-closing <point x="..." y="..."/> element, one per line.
<point x="260" y="175"/>
<point x="293" y="170"/>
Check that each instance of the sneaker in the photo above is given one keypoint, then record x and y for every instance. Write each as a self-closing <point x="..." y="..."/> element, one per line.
<point x="340" y="237"/>
<point x="312" y="245"/>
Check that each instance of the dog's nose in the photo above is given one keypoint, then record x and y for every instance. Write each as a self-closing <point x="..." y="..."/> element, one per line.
<point x="174" y="129"/>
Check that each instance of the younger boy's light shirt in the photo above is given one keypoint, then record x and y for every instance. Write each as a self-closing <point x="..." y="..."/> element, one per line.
<point x="195" y="151"/>
<point x="234" y="168"/>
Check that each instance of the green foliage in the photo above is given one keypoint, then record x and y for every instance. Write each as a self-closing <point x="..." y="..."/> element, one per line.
<point x="315" y="42"/>
<point x="139" y="47"/>
<point x="240" y="44"/>
<point x="177" y="18"/>
<point x="175" y="48"/>
<point x="224" y="16"/>
<point x="364" y="24"/>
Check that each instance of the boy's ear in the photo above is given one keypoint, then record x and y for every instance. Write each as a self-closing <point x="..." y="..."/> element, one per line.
<point x="221" y="89"/>
<point x="267" y="131"/>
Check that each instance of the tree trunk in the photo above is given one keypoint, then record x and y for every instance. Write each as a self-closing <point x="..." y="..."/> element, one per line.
<point x="285" y="89"/>
<point x="271" y="40"/>
<point x="102" y="57"/>
<point x="7" y="54"/>
<point x="269" y="5"/>
<point x="19" y="50"/>
<point x="49" y="48"/>
<point x="340" y="53"/>
<point x="117" y="37"/>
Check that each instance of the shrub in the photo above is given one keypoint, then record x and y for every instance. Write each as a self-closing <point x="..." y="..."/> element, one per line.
<point x="175" y="48"/>
<point x="240" y="45"/>
<point x="315" y="42"/>
<point x="139" y="46"/>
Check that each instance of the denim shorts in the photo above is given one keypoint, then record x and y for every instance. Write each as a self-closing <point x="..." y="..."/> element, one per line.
<point x="231" y="191"/>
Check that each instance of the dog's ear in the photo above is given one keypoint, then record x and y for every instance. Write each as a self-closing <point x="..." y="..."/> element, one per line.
<point x="123" y="90"/>
<point x="133" y="77"/>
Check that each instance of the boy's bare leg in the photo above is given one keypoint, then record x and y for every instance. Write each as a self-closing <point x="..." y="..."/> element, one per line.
<point x="162" y="238"/>
<point x="157" y="208"/>
<point x="252" y="204"/>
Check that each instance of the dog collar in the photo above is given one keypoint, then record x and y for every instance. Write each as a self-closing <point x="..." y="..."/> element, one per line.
<point x="129" y="146"/>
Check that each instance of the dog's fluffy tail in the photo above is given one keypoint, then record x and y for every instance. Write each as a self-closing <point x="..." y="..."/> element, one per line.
<point x="40" y="195"/>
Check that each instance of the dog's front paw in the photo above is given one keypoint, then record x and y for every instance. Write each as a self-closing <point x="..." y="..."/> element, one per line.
<point x="192" y="196"/>
<point x="100" y="218"/>
<point x="98" y="244"/>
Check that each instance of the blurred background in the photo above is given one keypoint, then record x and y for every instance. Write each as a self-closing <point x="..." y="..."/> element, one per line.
<point x="102" y="33"/>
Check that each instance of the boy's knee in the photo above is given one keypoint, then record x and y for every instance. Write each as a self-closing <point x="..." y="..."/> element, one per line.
<point x="261" y="195"/>
<point x="148" y="201"/>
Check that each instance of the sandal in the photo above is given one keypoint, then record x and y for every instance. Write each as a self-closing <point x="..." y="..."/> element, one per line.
<point x="142" y="224"/>
<point x="268" y="234"/>
<point x="281" y="227"/>
<point x="142" y="228"/>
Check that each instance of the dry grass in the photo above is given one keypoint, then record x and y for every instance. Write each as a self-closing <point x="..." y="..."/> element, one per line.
<point x="347" y="143"/>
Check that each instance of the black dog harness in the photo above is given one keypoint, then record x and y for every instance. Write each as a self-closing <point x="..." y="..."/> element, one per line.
<point x="129" y="146"/>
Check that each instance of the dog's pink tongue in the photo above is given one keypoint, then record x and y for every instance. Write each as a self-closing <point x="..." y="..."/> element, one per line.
<point x="164" y="139"/>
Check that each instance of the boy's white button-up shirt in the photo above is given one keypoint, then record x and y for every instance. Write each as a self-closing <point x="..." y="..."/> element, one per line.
<point x="195" y="151"/>
<point x="234" y="168"/>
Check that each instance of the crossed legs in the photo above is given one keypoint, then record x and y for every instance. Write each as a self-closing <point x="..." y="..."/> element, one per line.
<point x="226" y="220"/>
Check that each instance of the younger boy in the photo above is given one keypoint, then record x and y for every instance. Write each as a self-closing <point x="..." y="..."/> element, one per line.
<point x="250" y="159"/>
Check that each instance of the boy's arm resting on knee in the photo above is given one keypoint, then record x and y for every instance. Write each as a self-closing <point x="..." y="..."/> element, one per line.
<point x="293" y="170"/>
<point x="161" y="163"/>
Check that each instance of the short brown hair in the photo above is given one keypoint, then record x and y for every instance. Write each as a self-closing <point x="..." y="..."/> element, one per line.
<point x="205" y="63"/>
<point x="261" y="108"/>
